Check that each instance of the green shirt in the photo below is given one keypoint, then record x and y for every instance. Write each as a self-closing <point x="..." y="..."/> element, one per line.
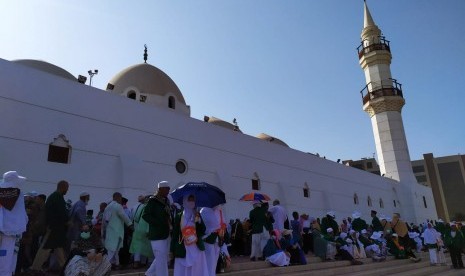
<point x="157" y="215"/>
<point x="376" y="223"/>
<point x="454" y="242"/>
<point x="258" y="219"/>
<point x="359" y="224"/>
<point x="328" y="222"/>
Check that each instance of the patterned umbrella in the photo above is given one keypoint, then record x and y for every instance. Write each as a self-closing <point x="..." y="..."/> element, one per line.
<point x="253" y="196"/>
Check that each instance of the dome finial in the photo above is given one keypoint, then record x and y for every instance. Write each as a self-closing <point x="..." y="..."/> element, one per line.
<point x="145" y="53"/>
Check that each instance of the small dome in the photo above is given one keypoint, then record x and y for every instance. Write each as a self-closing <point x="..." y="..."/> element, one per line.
<point x="46" y="67"/>
<point x="221" y="123"/>
<point x="148" y="79"/>
<point x="271" y="139"/>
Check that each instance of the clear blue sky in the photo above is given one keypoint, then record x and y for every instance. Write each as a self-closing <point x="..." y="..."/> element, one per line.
<point x="286" y="68"/>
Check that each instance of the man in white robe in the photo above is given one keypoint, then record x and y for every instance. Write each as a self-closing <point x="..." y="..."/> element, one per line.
<point x="430" y="237"/>
<point x="279" y="215"/>
<point x="13" y="220"/>
<point x="114" y="219"/>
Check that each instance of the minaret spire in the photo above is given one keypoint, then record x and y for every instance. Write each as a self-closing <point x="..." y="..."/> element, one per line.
<point x="367" y="19"/>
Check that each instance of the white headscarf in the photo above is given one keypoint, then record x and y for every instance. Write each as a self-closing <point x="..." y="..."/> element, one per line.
<point x="192" y="251"/>
<point x="211" y="218"/>
<point x="188" y="213"/>
<point x="13" y="222"/>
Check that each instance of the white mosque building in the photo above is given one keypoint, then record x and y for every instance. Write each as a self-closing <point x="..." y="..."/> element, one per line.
<point x="139" y="131"/>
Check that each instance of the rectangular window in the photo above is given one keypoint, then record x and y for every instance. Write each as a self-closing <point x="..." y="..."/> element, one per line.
<point x="421" y="178"/>
<point x="255" y="184"/>
<point x="395" y="205"/>
<point x="306" y="193"/>
<point x="424" y="202"/>
<point x="58" y="154"/>
<point x="369" y="165"/>
<point x="418" y="169"/>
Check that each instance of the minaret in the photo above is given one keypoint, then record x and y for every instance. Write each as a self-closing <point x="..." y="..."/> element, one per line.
<point x="383" y="101"/>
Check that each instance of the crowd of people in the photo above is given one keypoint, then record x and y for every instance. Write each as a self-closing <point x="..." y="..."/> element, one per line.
<point x="46" y="233"/>
<point x="272" y="237"/>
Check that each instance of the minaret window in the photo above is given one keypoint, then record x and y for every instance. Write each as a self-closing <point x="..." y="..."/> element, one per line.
<point x="381" y="203"/>
<point x="59" y="151"/>
<point x="395" y="205"/>
<point x="424" y="202"/>
<point x="369" y="201"/>
<point x="172" y="102"/>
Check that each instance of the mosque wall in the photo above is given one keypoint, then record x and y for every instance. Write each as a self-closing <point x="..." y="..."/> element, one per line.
<point x="122" y="145"/>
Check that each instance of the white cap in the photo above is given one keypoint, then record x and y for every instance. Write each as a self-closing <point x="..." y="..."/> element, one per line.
<point x="331" y="213"/>
<point x="376" y="236"/>
<point x="364" y="231"/>
<point x="329" y="230"/>
<point x="12" y="176"/>
<point x="356" y="214"/>
<point x="83" y="194"/>
<point x="163" y="184"/>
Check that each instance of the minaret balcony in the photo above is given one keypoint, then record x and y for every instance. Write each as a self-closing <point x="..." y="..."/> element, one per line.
<point x="375" y="90"/>
<point x="367" y="47"/>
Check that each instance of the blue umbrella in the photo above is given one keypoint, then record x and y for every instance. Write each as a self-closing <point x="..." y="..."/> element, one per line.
<point x="206" y="195"/>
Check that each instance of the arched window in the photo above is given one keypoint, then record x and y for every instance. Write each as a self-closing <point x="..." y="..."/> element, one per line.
<point x="59" y="151"/>
<point x="381" y="203"/>
<point x="355" y="199"/>
<point x="256" y="182"/>
<point x="132" y="95"/>
<point x="171" y="102"/>
<point x="369" y="201"/>
<point x="306" y="190"/>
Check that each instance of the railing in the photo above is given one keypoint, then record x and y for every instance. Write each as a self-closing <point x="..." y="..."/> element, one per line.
<point x="383" y="44"/>
<point x="375" y="90"/>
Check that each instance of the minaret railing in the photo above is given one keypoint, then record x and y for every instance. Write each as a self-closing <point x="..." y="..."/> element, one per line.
<point x="384" y="88"/>
<point x="367" y="47"/>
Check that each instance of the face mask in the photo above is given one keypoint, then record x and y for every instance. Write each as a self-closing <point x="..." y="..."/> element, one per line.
<point x="190" y="205"/>
<point x="85" y="235"/>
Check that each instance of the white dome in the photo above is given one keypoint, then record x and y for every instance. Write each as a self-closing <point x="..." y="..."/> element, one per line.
<point x="46" y="67"/>
<point x="148" y="80"/>
<point x="215" y="121"/>
<point x="271" y="139"/>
